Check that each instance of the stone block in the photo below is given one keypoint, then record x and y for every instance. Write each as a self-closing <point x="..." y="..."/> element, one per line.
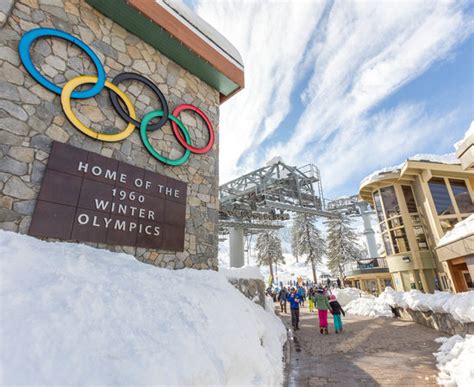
<point x="12" y="166"/>
<point x="16" y="188"/>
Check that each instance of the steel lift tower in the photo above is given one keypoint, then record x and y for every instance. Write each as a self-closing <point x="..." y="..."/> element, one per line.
<point x="262" y="200"/>
<point x="353" y="206"/>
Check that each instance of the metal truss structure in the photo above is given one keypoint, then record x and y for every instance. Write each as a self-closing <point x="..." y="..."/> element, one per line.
<point x="263" y="199"/>
<point x="270" y="193"/>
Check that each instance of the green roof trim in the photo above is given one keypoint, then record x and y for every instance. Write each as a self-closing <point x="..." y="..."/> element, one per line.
<point x="138" y="24"/>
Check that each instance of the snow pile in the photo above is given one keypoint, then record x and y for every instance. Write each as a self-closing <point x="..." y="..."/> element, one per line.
<point x="459" y="305"/>
<point x="455" y="361"/>
<point x="245" y="272"/>
<point x="346" y="295"/>
<point x="366" y="306"/>
<point x="76" y="315"/>
<point x="460" y="230"/>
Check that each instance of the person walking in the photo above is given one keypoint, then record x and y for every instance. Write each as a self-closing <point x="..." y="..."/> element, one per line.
<point x="322" y="304"/>
<point x="302" y="294"/>
<point x="294" y="299"/>
<point x="336" y="310"/>
<point x="311" y="295"/>
<point x="282" y="298"/>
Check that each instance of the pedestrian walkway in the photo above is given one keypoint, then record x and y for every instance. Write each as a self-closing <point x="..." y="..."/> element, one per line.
<point x="370" y="351"/>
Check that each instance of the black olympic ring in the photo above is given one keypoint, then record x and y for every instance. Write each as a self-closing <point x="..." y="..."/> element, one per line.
<point x="124" y="115"/>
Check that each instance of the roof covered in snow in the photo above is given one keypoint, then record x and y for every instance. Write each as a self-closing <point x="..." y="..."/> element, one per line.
<point x="388" y="172"/>
<point x="460" y="231"/>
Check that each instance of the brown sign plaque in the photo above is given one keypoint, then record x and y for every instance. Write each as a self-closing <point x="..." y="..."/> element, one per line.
<point x="91" y="198"/>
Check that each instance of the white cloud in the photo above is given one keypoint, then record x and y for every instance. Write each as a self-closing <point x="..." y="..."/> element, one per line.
<point x="355" y="55"/>
<point x="272" y="38"/>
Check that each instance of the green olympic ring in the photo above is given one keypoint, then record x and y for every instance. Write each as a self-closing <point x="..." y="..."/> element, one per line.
<point x="144" y="135"/>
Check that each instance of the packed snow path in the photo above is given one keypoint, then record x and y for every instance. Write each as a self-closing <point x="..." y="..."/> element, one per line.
<point x="370" y="351"/>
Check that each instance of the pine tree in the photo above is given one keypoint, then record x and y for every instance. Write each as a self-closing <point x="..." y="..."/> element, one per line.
<point x="295" y="236"/>
<point x="341" y="244"/>
<point x="269" y="250"/>
<point x="310" y="242"/>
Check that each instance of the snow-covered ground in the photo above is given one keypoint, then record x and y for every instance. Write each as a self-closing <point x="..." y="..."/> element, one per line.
<point x="460" y="305"/>
<point x="74" y="315"/>
<point x="455" y="361"/>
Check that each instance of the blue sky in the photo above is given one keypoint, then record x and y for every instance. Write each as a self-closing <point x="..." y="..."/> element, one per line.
<point x="349" y="86"/>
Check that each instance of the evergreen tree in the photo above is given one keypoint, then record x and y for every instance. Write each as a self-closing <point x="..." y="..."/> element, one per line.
<point x="269" y="250"/>
<point x="310" y="242"/>
<point x="295" y="236"/>
<point x="341" y="244"/>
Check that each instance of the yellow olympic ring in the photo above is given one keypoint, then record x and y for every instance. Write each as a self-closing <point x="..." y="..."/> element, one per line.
<point x="66" y="103"/>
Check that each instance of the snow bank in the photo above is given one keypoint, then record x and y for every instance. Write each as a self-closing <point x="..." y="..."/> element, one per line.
<point x="371" y="307"/>
<point x="460" y="305"/>
<point x="460" y="230"/>
<point x="75" y="315"/>
<point x="346" y="295"/>
<point x="245" y="272"/>
<point x="455" y="361"/>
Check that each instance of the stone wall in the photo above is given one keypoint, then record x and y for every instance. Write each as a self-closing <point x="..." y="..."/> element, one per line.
<point x="31" y="117"/>
<point x="442" y="322"/>
<point x="253" y="289"/>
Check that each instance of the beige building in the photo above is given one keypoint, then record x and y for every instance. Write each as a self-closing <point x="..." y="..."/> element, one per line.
<point x="416" y="204"/>
<point x="456" y="248"/>
<point x="370" y="275"/>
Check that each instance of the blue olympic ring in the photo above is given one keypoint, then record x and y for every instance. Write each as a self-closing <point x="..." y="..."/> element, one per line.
<point x="24" y="48"/>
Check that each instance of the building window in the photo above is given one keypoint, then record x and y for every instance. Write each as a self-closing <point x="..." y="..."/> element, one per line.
<point x="387" y="244"/>
<point x="462" y="196"/>
<point x="447" y="224"/>
<point x="390" y="202"/>
<point x="390" y="220"/>
<point x="420" y="237"/>
<point x="400" y="240"/>
<point x="378" y="206"/>
<point x="409" y="199"/>
<point x="440" y="195"/>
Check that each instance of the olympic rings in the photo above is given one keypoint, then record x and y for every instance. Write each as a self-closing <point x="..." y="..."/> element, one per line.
<point x="146" y="142"/>
<point x="99" y="81"/>
<point x="66" y="103"/>
<point x="136" y="77"/>
<point x="24" y="48"/>
<point x="180" y="138"/>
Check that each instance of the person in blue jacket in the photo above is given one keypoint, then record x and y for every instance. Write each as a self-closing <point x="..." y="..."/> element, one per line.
<point x="294" y="299"/>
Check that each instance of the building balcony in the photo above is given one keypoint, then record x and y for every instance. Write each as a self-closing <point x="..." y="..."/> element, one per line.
<point x="365" y="266"/>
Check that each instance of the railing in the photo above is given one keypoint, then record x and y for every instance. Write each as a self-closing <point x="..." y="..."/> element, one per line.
<point x="366" y="266"/>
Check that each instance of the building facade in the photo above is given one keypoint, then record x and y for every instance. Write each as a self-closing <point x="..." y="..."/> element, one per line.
<point x="370" y="275"/>
<point x="456" y="248"/>
<point x="416" y="204"/>
<point x="184" y="62"/>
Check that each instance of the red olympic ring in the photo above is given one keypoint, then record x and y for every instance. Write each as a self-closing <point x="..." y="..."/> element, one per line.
<point x="179" y="136"/>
